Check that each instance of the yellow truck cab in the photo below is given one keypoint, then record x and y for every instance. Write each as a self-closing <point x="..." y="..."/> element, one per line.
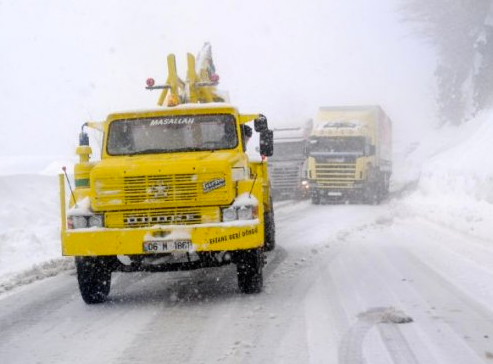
<point x="349" y="154"/>
<point x="174" y="190"/>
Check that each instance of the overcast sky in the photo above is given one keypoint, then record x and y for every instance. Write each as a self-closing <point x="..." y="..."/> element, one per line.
<point x="64" y="62"/>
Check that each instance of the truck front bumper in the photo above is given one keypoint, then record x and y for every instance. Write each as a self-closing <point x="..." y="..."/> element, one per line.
<point x="233" y="236"/>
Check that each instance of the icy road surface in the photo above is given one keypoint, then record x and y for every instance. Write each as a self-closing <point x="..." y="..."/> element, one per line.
<point x="347" y="284"/>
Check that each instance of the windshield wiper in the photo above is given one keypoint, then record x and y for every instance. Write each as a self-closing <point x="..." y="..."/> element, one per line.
<point x="149" y="151"/>
<point x="159" y="150"/>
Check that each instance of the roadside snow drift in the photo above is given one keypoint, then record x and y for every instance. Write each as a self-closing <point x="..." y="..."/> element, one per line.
<point x="455" y="185"/>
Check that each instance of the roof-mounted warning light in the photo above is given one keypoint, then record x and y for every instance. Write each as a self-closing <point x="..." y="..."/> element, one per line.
<point x="150" y="82"/>
<point x="150" y="85"/>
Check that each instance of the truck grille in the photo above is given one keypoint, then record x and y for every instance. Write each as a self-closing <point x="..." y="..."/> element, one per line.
<point x="335" y="175"/>
<point x="140" y="191"/>
<point x="160" y="188"/>
<point x="286" y="179"/>
<point x="173" y="216"/>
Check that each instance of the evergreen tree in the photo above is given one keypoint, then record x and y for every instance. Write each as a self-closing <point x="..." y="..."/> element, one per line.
<point x="461" y="32"/>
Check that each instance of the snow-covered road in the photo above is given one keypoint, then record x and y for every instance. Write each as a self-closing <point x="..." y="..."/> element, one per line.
<point x="342" y="287"/>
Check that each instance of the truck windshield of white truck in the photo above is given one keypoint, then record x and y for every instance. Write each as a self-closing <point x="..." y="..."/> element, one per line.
<point x="167" y="134"/>
<point x="288" y="151"/>
<point x="338" y="145"/>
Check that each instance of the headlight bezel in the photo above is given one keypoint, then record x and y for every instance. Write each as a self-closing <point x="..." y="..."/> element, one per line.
<point x="79" y="222"/>
<point x="232" y="213"/>
<point x="85" y="221"/>
<point x="96" y="220"/>
<point x="229" y="214"/>
<point x="246" y="211"/>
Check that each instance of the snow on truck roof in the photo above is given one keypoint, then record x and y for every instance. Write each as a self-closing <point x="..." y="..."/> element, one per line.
<point x="351" y="108"/>
<point x="348" y="116"/>
<point x="190" y="106"/>
<point x="285" y="135"/>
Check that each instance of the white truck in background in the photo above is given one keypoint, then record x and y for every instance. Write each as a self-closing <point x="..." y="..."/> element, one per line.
<point x="287" y="167"/>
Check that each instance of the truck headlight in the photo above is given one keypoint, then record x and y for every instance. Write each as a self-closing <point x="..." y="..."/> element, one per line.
<point x="83" y="221"/>
<point x="79" y="222"/>
<point x="245" y="213"/>
<point x="229" y="214"/>
<point x="96" y="221"/>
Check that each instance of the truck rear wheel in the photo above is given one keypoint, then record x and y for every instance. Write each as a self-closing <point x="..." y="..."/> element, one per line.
<point x="269" y="229"/>
<point x="94" y="277"/>
<point x="371" y="194"/>
<point x="249" y="271"/>
<point x="385" y="184"/>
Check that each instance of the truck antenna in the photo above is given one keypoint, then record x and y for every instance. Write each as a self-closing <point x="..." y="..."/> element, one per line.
<point x="253" y="184"/>
<point x="64" y="169"/>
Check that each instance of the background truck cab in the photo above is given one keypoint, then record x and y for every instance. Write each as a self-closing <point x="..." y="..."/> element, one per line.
<point x="349" y="154"/>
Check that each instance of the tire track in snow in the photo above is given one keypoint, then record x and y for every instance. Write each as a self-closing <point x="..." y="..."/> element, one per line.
<point x="196" y="309"/>
<point x="351" y="346"/>
<point x="283" y="338"/>
<point x="18" y="313"/>
<point x="464" y="316"/>
<point x="407" y="259"/>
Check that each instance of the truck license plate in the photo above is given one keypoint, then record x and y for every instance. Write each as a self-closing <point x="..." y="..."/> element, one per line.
<point x="335" y="194"/>
<point x="167" y="246"/>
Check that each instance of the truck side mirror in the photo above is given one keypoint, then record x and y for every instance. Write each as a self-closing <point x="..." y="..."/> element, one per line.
<point x="267" y="142"/>
<point x="260" y="124"/>
<point x="83" y="138"/>
<point x="306" y="149"/>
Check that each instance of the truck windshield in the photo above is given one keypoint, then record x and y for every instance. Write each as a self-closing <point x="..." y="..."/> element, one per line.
<point x="166" y="134"/>
<point x="288" y="151"/>
<point x="338" y="145"/>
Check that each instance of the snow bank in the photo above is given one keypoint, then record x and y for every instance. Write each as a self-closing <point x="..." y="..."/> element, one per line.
<point x="455" y="175"/>
<point x="29" y="223"/>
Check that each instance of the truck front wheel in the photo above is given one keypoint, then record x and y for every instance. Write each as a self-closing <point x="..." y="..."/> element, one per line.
<point x="249" y="267"/>
<point x="94" y="277"/>
<point x="315" y="197"/>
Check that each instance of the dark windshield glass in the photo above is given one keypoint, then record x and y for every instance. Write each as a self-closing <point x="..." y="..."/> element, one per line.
<point x="172" y="134"/>
<point x="338" y="145"/>
<point x="288" y="151"/>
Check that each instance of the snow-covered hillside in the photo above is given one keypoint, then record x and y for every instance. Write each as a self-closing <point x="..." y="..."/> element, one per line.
<point x="454" y="176"/>
<point x="29" y="228"/>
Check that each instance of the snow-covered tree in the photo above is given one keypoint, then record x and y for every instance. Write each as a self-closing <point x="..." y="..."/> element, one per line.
<point x="462" y="33"/>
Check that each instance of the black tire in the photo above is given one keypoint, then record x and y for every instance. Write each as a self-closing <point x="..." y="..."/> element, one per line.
<point x="269" y="230"/>
<point x="315" y="198"/>
<point x="371" y="195"/>
<point x="94" y="277"/>
<point x="385" y="185"/>
<point x="249" y="271"/>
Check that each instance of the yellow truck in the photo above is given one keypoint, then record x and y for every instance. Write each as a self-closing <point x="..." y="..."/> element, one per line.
<point x="173" y="189"/>
<point x="349" y="154"/>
